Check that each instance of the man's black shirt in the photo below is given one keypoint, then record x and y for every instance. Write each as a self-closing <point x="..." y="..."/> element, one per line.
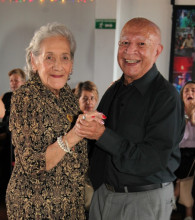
<point x="144" y="125"/>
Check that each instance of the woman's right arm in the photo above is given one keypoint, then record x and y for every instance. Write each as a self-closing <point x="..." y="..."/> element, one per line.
<point x="35" y="145"/>
<point x="55" y="153"/>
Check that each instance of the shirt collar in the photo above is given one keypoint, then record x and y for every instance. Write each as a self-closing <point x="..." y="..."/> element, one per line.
<point x="145" y="81"/>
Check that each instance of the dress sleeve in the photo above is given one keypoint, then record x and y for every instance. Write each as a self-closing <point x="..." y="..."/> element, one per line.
<point x="28" y="133"/>
<point x="153" y="153"/>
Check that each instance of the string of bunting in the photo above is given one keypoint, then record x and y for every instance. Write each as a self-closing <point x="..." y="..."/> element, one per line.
<point x="42" y="1"/>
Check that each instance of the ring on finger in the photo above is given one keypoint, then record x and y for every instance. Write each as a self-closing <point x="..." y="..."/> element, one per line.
<point x="84" y="117"/>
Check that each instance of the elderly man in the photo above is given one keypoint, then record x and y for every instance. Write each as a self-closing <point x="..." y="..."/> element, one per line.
<point x="135" y="153"/>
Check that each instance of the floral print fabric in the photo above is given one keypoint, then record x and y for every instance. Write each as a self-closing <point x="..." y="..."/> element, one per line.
<point x="37" y="119"/>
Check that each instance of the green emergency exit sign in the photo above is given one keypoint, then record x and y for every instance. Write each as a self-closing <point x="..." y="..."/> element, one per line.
<point x="105" y="23"/>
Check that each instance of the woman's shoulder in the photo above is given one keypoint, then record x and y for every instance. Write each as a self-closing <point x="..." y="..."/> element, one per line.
<point x="25" y="94"/>
<point x="30" y="87"/>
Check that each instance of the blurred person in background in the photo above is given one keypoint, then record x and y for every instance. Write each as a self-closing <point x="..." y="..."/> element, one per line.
<point x="17" y="78"/>
<point x="187" y="145"/>
<point x="88" y="95"/>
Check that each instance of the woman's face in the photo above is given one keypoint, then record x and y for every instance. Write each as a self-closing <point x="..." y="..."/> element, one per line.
<point x="87" y="101"/>
<point x="15" y="81"/>
<point x="54" y="64"/>
<point x="189" y="94"/>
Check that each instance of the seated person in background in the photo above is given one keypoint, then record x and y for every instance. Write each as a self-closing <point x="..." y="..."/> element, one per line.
<point x="87" y="93"/>
<point x="2" y="109"/>
<point x="187" y="145"/>
<point x="16" y="79"/>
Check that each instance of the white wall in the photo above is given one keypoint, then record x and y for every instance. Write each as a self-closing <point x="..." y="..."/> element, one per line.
<point x="160" y="12"/>
<point x="104" y="46"/>
<point x="18" y="21"/>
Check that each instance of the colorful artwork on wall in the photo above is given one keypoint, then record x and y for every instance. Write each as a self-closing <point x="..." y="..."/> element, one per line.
<point x="182" y="60"/>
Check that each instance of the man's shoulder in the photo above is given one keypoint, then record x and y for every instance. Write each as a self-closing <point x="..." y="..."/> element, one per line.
<point x="161" y="83"/>
<point x="163" y="86"/>
<point x="108" y="95"/>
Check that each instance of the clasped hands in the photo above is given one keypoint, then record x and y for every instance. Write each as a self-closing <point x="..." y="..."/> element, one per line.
<point x="90" y="125"/>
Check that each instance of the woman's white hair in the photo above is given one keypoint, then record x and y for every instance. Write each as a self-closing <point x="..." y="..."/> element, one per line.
<point x="46" y="31"/>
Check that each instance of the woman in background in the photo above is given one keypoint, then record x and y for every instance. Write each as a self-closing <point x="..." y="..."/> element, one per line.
<point x="17" y="78"/>
<point x="87" y="93"/>
<point x="47" y="181"/>
<point x="88" y="96"/>
<point x="187" y="145"/>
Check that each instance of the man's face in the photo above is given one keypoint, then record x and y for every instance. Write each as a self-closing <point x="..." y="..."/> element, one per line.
<point x="138" y="51"/>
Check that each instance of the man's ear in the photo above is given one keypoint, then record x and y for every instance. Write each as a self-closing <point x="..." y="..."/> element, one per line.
<point x="159" y="50"/>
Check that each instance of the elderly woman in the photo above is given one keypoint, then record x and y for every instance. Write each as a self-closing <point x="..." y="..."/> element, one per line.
<point x="87" y="93"/>
<point x="50" y="160"/>
<point x="187" y="145"/>
<point x="2" y="109"/>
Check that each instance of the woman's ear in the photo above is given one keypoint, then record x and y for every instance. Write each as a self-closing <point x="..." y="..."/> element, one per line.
<point x="33" y="63"/>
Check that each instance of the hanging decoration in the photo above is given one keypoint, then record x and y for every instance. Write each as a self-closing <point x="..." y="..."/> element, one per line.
<point x="42" y="1"/>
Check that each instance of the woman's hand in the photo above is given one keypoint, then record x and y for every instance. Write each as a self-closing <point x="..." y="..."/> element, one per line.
<point x="90" y="116"/>
<point x="90" y="125"/>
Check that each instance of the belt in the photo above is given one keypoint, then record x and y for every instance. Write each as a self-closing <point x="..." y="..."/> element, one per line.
<point x="136" y="188"/>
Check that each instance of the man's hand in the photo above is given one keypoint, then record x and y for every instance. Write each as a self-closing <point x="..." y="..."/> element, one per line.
<point x="90" y="125"/>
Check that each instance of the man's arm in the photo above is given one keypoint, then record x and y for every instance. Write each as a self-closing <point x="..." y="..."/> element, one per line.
<point x="162" y="134"/>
